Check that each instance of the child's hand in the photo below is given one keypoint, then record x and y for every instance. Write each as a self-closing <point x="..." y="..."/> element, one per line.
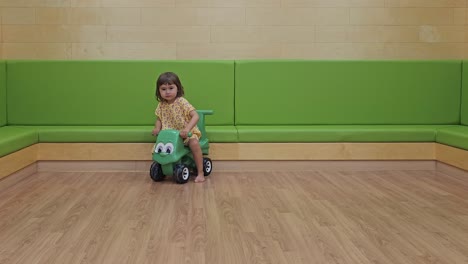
<point x="155" y="132"/>
<point x="183" y="133"/>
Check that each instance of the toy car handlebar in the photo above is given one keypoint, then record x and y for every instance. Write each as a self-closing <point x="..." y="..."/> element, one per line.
<point x="205" y="112"/>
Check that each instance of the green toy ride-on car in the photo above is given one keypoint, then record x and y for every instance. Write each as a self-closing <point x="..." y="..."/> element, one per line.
<point x="172" y="157"/>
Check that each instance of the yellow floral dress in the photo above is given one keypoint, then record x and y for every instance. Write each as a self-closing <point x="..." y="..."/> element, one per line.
<point x="176" y="116"/>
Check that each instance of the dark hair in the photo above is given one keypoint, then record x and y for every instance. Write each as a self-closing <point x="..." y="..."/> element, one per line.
<point x="169" y="78"/>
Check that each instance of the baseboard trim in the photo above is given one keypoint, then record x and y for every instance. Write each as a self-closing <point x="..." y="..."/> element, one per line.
<point x="228" y="156"/>
<point x="452" y="156"/>
<point x="18" y="160"/>
<point x="232" y="166"/>
<point x="143" y="166"/>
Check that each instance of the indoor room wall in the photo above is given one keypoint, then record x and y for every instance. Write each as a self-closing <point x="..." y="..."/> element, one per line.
<point x="233" y="29"/>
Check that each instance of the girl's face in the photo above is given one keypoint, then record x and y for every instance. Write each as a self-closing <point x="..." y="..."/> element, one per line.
<point x="168" y="92"/>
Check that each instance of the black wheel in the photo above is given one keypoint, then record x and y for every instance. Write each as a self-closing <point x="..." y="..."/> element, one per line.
<point x="207" y="166"/>
<point x="181" y="174"/>
<point x="156" y="172"/>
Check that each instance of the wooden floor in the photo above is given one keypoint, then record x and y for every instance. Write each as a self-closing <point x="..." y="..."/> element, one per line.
<point x="389" y="216"/>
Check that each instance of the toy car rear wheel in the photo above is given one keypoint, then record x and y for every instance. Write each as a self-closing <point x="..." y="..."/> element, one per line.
<point x="181" y="174"/>
<point x="207" y="166"/>
<point x="156" y="172"/>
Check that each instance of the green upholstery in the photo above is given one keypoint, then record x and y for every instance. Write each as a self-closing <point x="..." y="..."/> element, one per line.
<point x="115" y="93"/>
<point x="220" y="134"/>
<point x="279" y="92"/>
<point x="464" y="95"/>
<point x="108" y="134"/>
<point x="339" y="133"/>
<point x="456" y="136"/>
<point x="14" y="138"/>
<point x="3" y="114"/>
<point x="93" y="134"/>
<point x="253" y="101"/>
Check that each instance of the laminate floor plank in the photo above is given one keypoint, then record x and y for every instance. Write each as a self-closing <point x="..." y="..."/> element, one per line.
<point x="265" y="217"/>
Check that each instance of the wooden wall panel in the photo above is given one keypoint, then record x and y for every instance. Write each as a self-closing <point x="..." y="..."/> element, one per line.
<point x="235" y="29"/>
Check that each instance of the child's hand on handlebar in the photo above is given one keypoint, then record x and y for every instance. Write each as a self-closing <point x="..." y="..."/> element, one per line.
<point x="185" y="134"/>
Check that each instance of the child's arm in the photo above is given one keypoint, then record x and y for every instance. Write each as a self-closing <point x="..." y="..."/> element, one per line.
<point x="191" y="124"/>
<point x="157" y="127"/>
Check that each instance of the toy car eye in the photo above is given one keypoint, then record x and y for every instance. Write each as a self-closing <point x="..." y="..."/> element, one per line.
<point x="159" y="148"/>
<point x="168" y="148"/>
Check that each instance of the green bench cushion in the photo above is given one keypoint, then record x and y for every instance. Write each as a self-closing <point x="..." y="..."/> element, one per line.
<point x="456" y="136"/>
<point x="279" y="92"/>
<point x="3" y="107"/>
<point x="339" y="133"/>
<point x="464" y="95"/>
<point x="119" y="93"/>
<point x="222" y="134"/>
<point x="117" y="134"/>
<point x="13" y="139"/>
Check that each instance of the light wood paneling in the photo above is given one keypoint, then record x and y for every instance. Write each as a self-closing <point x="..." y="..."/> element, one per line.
<point x="453" y="156"/>
<point x="460" y="16"/>
<point x="265" y="34"/>
<point x="229" y="3"/>
<point x="51" y="16"/>
<point x="59" y="51"/>
<point x="228" y="50"/>
<point x="334" y="3"/>
<point x="137" y="156"/>
<point x="18" y="16"/>
<point x="236" y="165"/>
<point x="224" y="151"/>
<point x="138" y="3"/>
<point x="53" y="33"/>
<point x="328" y="165"/>
<point x="120" y="151"/>
<point x="193" y="16"/>
<point x="159" y="34"/>
<point x="246" y="151"/>
<point x="235" y="29"/>
<point x="425" y="3"/>
<point x="93" y="165"/>
<point x="141" y="51"/>
<point x="17" y="160"/>
<point x="105" y="16"/>
<point x="297" y="16"/>
<point x="85" y="3"/>
<point x="393" y="34"/>
<point x="336" y="151"/>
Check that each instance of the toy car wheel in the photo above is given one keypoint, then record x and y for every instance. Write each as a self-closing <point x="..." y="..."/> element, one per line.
<point x="207" y="166"/>
<point x="156" y="172"/>
<point x="181" y="174"/>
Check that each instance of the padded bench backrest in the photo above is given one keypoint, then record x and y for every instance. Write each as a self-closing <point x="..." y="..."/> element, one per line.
<point x="3" y="107"/>
<point x="464" y="96"/>
<point x="112" y="92"/>
<point x="279" y="92"/>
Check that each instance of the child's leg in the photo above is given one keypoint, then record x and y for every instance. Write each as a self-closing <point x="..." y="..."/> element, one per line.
<point x="198" y="157"/>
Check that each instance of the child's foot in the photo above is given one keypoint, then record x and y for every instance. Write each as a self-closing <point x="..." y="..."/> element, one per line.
<point x="200" y="178"/>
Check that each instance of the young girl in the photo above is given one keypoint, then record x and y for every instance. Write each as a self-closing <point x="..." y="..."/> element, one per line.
<point x="175" y="112"/>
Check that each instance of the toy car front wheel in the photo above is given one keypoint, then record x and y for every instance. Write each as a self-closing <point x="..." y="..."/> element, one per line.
<point x="181" y="174"/>
<point x="207" y="166"/>
<point x="156" y="172"/>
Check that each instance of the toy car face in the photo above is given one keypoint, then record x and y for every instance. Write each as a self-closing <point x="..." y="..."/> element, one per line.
<point x="169" y="147"/>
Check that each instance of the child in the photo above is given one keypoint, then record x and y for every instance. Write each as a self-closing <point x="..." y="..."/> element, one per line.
<point x="175" y="112"/>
